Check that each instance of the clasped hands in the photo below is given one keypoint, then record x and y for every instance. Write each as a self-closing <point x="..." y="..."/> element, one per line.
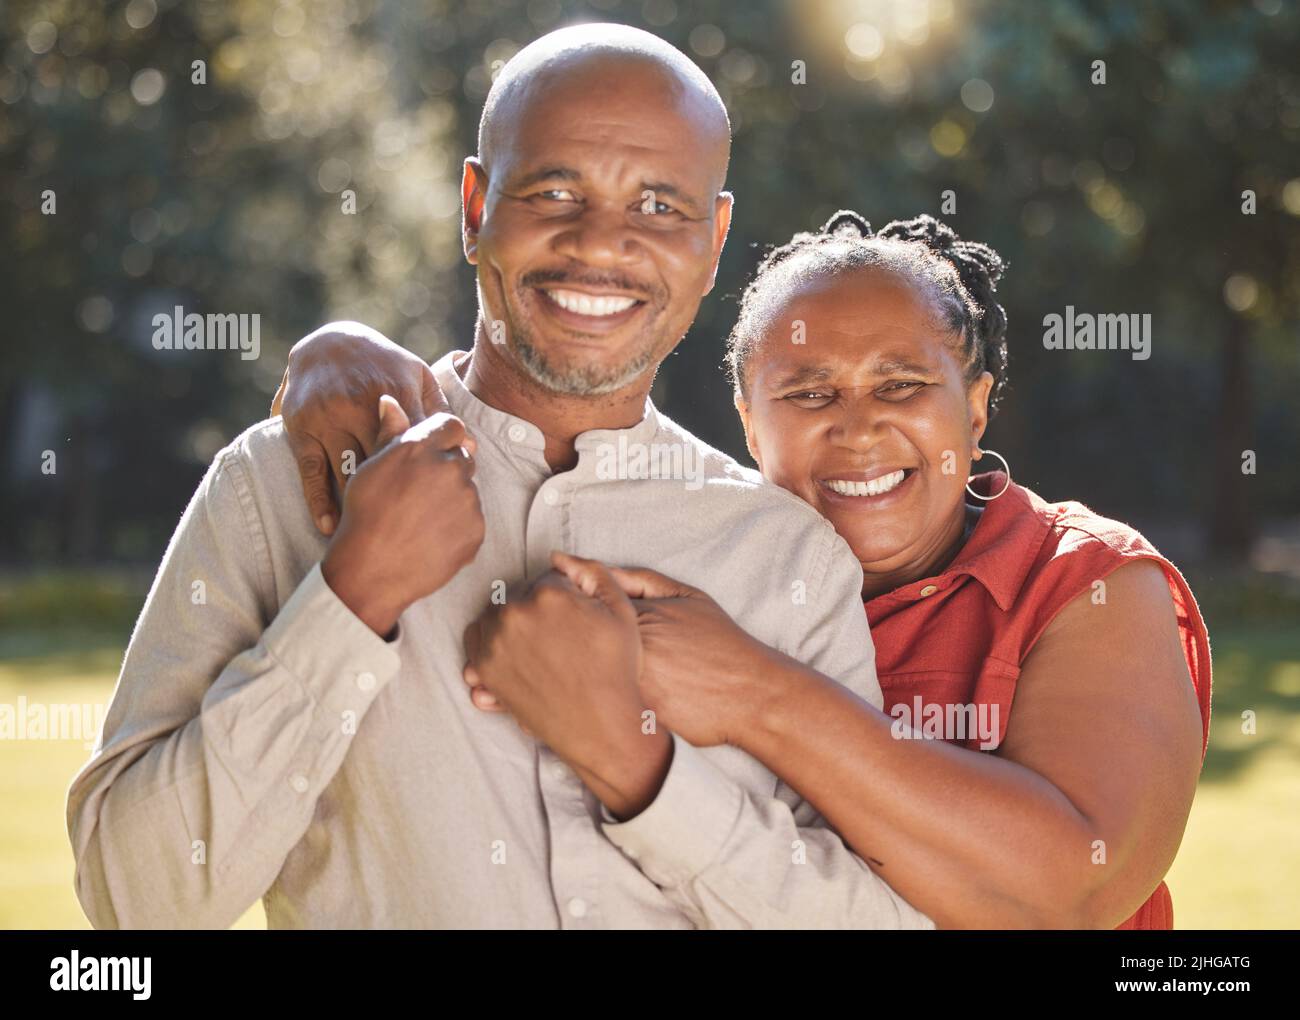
<point x="600" y="663"/>
<point x="564" y="656"/>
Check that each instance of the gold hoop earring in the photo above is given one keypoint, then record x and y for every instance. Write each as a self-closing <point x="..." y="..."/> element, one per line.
<point x="1006" y="467"/>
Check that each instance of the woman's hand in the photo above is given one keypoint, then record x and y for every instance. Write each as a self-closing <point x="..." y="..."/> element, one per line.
<point x="329" y="398"/>
<point x="702" y="675"/>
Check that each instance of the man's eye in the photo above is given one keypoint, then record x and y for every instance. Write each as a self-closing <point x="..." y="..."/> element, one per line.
<point x="656" y="208"/>
<point x="809" y="396"/>
<point x="557" y="195"/>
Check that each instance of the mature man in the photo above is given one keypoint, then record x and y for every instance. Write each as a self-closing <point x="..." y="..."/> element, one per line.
<point x="292" y="722"/>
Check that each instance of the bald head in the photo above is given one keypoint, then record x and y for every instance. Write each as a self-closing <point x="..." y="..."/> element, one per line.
<point x="595" y="211"/>
<point x="563" y="63"/>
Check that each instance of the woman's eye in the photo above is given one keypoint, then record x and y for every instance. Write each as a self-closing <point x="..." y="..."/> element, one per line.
<point x="809" y="397"/>
<point x="899" y="390"/>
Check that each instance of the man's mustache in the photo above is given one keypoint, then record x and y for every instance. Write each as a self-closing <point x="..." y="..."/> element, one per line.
<point x="596" y="281"/>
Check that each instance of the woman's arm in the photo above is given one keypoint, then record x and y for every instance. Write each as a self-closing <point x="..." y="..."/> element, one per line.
<point x="1102" y="753"/>
<point x="329" y="400"/>
<point x="1103" y="745"/>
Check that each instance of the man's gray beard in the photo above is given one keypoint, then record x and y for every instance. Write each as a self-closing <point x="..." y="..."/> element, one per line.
<point x="578" y="381"/>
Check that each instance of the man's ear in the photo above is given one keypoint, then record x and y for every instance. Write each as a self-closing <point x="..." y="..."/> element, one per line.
<point x="742" y="409"/>
<point x="473" y="195"/>
<point x="721" y="225"/>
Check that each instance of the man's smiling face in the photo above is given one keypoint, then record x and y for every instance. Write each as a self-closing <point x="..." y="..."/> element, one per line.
<point x="601" y="219"/>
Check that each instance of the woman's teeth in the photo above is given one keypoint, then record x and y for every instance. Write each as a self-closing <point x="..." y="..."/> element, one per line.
<point x="586" y="304"/>
<point x="875" y="487"/>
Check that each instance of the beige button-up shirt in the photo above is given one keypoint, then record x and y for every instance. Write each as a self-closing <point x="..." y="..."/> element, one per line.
<point x="263" y="742"/>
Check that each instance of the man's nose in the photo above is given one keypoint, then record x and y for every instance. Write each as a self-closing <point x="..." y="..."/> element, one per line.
<point x="600" y="237"/>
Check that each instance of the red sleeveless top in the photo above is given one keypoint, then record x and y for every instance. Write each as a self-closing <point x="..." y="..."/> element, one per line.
<point x="959" y="638"/>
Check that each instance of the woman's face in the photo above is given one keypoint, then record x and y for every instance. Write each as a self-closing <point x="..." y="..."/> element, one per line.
<point x="869" y="418"/>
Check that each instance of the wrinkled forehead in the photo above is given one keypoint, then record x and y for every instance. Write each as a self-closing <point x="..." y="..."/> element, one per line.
<point x="610" y="116"/>
<point x="849" y="313"/>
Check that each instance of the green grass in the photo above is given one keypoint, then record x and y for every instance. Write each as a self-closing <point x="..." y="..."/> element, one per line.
<point x="1239" y="866"/>
<point x="36" y="877"/>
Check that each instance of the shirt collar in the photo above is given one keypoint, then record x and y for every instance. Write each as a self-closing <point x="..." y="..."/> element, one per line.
<point x="485" y="420"/>
<point x="1005" y="542"/>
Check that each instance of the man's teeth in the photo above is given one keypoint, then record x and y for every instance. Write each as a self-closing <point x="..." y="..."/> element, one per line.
<point x="875" y="487"/>
<point x="586" y="304"/>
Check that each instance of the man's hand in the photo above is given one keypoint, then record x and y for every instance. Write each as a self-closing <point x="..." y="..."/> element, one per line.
<point x="411" y="518"/>
<point x="563" y="658"/>
<point x="705" y="678"/>
<point x="328" y="396"/>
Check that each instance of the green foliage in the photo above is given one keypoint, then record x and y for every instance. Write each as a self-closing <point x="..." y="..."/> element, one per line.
<point x="71" y="603"/>
<point x="1123" y="197"/>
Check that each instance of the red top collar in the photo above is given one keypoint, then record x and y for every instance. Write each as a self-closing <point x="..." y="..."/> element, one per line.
<point x="1002" y="548"/>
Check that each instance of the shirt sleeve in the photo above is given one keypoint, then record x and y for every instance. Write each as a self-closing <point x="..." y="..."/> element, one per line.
<point x="223" y="730"/>
<point x="732" y="858"/>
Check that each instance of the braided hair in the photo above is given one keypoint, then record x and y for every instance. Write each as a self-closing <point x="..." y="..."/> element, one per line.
<point x="958" y="276"/>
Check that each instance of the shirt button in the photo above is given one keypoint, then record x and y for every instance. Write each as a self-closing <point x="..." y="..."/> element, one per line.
<point x="929" y="590"/>
<point x="517" y="433"/>
<point x="549" y="497"/>
<point x="577" y="907"/>
<point x="299" y="783"/>
<point x="366" y="681"/>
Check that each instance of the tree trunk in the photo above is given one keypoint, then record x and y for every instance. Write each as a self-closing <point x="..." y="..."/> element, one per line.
<point x="1232" y="525"/>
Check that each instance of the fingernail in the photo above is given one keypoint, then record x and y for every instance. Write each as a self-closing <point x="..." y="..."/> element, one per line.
<point x="487" y="698"/>
<point x="326" y="523"/>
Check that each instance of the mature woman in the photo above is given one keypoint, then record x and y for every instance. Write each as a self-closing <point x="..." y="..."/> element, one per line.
<point x="1059" y="659"/>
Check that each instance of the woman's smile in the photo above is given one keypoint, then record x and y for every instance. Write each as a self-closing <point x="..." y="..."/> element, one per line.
<point x="876" y="489"/>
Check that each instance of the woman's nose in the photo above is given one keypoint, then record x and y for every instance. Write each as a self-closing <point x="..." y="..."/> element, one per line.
<point x="859" y="424"/>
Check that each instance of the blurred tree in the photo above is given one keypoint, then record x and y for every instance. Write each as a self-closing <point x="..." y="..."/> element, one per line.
<point x="231" y="196"/>
<point x="198" y="156"/>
